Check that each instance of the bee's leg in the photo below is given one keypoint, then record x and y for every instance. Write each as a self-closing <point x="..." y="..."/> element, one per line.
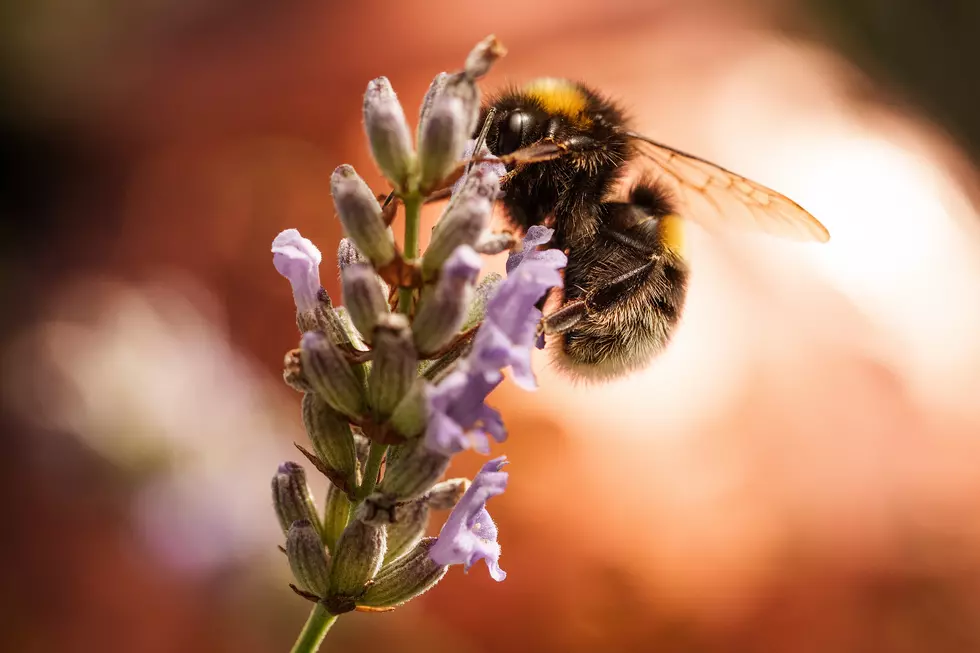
<point x="564" y="318"/>
<point x="627" y="239"/>
<point x="598" y="299"/>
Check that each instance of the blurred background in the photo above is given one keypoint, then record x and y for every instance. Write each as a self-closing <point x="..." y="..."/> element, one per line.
<point x="799" y="473"/>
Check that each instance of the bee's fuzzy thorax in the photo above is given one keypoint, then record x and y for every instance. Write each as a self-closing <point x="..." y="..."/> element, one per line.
<point x="561" y="97"/>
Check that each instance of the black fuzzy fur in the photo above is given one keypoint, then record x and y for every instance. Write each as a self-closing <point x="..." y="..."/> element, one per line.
<point x="635" y="292"/>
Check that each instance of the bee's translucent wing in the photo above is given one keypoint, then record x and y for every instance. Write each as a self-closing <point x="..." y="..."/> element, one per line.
<point x="711" y="193"/>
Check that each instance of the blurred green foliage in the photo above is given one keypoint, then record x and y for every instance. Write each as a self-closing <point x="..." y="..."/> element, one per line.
<point x="926" y="50"/>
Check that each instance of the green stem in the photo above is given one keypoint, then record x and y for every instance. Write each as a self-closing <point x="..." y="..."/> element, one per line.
<point x="317" y="625"/>
<point x="413" y="219"/>
<point x="371" y="469"/>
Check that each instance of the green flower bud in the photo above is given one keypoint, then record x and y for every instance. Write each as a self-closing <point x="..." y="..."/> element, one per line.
<point x="478" y="307"/>
<point x="362" y="297"/>
<point x="360" y="550"/>
<point x="292" y="371"/>
<point x="409" y="416"/>
<point x="492" y="244"/>
<point x="405" y="578"/>
<point x="388" y="133"/>
<point x="393" y="369"/>
<point x="443" y="138"/>
<point x="445" y="495"/>
<point x="307" y="558"/>
<point x="326" y="369"/>
<point x="464" y="221"/>
<point x="353" y="336"/>
<point x="443" y="308"/>
<point x="330" y="433"/>
<point x="407" y="528"/>
<point x="291" y="496"/>
<point x="412" y="469"/>
<point x="362" y="445"/>
<point x="335" y="515"/>
<point x="360" y="215"/>
<point x="322" y="317"/>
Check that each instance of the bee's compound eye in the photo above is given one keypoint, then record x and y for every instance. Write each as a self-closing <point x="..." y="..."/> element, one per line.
<point x="513" y="131"/>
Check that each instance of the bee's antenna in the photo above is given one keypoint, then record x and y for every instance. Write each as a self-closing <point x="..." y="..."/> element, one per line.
<point x="481" y="139"/>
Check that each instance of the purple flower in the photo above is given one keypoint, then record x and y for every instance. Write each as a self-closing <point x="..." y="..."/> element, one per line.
<point x="510" y="328"/>
<point x="536" y="235"/>
<point x="298" y="259"/>
<point x="457" y="417"/>
<point x="469" y="534"/>
<point x="495" y="168"/>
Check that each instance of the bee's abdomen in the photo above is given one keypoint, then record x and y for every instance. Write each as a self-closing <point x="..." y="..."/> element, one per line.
<point x="634" y="297"/>
<point x="629" y="334"/>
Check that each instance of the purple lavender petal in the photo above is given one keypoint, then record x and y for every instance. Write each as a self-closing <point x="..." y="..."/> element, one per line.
<point x="298" y="259"/>
<point x="458" y="419"/>
<point x="493" y="167"/>
<point x="469" y="534"/>
<point x="535" y="236"/>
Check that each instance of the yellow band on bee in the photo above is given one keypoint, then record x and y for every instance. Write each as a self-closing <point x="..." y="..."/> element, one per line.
<point x="671" y="231"/>
<point x="561" y="97"/>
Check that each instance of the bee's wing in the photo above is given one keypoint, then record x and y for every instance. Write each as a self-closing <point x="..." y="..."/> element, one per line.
<point x="711" y="193"/>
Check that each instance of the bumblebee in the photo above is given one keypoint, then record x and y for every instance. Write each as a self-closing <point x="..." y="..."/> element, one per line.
<point x="566" y="149"/>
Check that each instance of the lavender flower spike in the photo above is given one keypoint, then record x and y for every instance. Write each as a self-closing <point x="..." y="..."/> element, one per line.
<point x="298" y="259"/>
<point x="469" y="535"/>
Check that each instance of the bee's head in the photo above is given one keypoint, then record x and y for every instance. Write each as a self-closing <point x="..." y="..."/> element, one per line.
<point x="546" y="107"/>
<point x="512" y="130"/>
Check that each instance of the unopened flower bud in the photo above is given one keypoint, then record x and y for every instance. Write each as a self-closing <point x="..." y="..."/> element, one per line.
<point x="463" y="84"/>
<point x="412" y="470"/>
<point x="291" y="496"/>
<point x="360" y="215"/>
<point x="362" y="297"/>
<point x="326" y="369"/>
<point x="360" y="550"/>
<point x="444" y="135"/>
<point x="483" y="55"/>
<point x="407" y="527"/>
<point x="495" y="243"/>
<point x="362" y="445"/>
<point x="405" y="578"/>
<point x="446" y="494"/>
<point x="388" y="133"/>
<point x="435" y="89"/>
<point x="393" y="368"/>
<point x="348" y="254"/>
<point x="464" y="221"/>
<point x="408" y="418"/>
<point x="292" y="371"/>
<point x="443" y="309"/>
<point x="308" y="558"/>
<point x="330" y="433"/>
<point x="335" y="514"/>
<point x="351" y="334"/>
<point x="490" y="164"/>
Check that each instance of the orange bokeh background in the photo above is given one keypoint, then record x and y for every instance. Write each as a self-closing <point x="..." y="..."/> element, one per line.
<point x="798" y="473"/>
